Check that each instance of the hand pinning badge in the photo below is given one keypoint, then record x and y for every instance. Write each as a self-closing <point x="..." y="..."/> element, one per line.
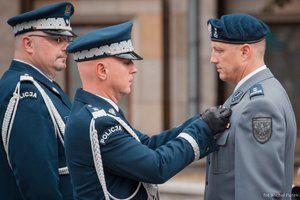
<point x="217" y="118"/>
<point x="227" y="126"/>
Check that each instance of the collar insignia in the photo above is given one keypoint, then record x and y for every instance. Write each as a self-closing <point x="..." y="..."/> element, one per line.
<point x="112" y="111"/>
<point x="55" y="90"/>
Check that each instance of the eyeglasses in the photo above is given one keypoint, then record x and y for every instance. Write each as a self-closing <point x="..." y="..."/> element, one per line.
<point x="57" y="38"/>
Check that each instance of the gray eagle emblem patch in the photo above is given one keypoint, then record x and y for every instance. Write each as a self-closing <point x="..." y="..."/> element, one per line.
<point x="262" y="129"/>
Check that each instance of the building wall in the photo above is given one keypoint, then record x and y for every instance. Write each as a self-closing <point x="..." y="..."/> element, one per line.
<point x="7" y="9"/>
<point x="179" y="60"/>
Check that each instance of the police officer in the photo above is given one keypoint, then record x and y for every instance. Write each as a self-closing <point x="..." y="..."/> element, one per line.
<point x="255" y="159"/>
<point x="34" y="108"/>
<point x="106" y="156"/>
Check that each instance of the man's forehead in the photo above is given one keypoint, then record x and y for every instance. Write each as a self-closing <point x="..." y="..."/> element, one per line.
<point x="223" y="45"/>
<point x="219" y="44"/>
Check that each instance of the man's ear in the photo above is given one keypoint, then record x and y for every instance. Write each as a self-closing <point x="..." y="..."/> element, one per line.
<point x="245" y="51"/>
<point x="101" y="70"/>
<point x="27" y="44"/>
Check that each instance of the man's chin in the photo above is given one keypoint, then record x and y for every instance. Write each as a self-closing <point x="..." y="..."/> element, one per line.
<point x="127" y="92"/>
<point x="61" y="67"/>
<point x="222" y="78"/>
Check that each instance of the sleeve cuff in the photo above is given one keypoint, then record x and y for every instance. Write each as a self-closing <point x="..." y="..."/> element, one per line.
<point x="193" y="143"/>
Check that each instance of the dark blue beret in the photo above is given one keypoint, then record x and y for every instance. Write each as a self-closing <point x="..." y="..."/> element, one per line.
<point x="237" y="29"/>
<point x="109" y="41"/>
<point x="53" y="18"/>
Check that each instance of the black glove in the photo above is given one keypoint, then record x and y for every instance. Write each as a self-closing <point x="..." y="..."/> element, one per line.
<point x="217" y="118"/>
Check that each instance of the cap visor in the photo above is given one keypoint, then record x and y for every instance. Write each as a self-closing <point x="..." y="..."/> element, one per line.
<point x="60" y="32"/>
<point x="130" y="56"/>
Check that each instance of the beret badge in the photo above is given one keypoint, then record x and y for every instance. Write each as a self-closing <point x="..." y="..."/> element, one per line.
<point x="215" y="32"/>
<point x="209" y="30"/>
<point x="212" y="31"/>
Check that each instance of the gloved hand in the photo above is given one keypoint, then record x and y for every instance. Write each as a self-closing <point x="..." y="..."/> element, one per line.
<point x="217" y="118"/>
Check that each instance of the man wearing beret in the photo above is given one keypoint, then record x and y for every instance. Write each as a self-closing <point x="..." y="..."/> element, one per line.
<point x="106" y="156"/>
<point x="34" y="108"/>
<point x="255" y="159"/>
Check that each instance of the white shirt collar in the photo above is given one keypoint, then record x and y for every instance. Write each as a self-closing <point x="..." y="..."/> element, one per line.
<point x="37" y="69"/>
<point x="249" y="76"/>
<point x="111" y="102"/>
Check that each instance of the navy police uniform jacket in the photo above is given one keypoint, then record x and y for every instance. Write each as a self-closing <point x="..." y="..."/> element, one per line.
<point x="35" y="153"/>
<point x="126" y="161"/>
<point x="255" y="159"/>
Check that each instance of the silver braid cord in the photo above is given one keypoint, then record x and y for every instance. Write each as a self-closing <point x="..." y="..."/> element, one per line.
<point x="56" y="118"/>
<point x="131" y="196"/>
<point x="152" y="190"/>
<point x="127" y="128"/>
<point x="10" y="113"/>
<point x="99" y="165"/>
<point x="97" y="158"/>
<point x="9" y="118"/>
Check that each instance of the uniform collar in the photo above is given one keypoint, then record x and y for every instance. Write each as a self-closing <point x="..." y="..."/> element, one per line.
<point x="24" y="68"/>
<point x="95" y="101"/>
<point x="37" y="69"/>
<point x="111" y="102"/>
<point x="249" y="76"/>
<point x="239" y="93"/>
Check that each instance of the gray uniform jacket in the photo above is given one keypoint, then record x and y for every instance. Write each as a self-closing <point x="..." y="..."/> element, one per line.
<point x="255" y="160"/>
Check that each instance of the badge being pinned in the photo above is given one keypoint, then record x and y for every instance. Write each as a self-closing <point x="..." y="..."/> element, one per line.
<point x="262" y="129"/>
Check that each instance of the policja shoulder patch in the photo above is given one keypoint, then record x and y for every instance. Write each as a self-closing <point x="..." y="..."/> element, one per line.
<point x="108" y="132"/>
<point x="262" y="129"/>
<point x="28" y="94"/>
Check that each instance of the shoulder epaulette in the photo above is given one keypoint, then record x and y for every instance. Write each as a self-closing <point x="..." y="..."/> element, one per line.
<point x="26" y="77"/>
<point x="256" y="90"/>
<point x="96" y="112"/>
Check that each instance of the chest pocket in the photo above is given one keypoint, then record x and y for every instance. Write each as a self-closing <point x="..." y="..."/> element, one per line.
<point x="222" y="160"/>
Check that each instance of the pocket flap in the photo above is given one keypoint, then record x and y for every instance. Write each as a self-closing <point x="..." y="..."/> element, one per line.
<point x="221" y="140"/>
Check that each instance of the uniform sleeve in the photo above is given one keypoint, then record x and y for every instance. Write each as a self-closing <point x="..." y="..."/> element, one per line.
<point x="124" y="156"/>
<point x="259" y="151"/>
<point x="33" y="148"/>
<point x="162" y="138"/>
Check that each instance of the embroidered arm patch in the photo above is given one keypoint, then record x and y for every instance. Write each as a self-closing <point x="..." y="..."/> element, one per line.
<point x="262" y="129"/>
